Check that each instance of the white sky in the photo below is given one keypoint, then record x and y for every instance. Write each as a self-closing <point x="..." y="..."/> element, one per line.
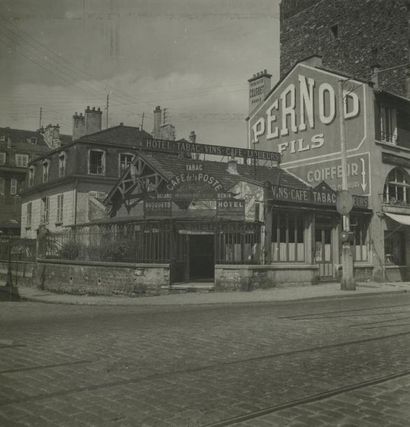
<point x="192" y="57"/>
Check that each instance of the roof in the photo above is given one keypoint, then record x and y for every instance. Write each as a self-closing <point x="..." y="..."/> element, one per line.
<point x="126" y="135"/>
<point x="170" y="165"/>
<point x="20" y="139"/>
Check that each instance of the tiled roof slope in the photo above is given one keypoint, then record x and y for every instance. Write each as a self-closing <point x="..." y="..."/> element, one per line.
<point x="125" y="135"/>
<point x="171" y="165"/>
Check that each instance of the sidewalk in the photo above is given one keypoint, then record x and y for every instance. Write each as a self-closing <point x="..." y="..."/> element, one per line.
<point x="325" y="290"/>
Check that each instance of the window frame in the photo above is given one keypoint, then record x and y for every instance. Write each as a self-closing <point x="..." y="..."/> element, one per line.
<point x="60" y="209"/>
<point x="46" y="171"/>
<point x="401" y="188"/>
<point x="23" y="164"/>
<point x="13" y="186"/>
<point x="122" y="170"/>
<point x="29" y="214"/>
<point x="62" y="164"/>
<point x="3" y="155"/>
<point x="45" y="210"/>
<point x="103" y="161"/>
<point x="31" y="175"/>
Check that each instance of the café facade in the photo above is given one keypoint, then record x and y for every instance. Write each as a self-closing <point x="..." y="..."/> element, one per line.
<point x="240" y="221"/>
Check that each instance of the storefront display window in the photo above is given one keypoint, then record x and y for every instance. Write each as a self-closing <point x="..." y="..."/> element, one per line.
<point x="360" y="227"/>
<point x="288" y="237"/>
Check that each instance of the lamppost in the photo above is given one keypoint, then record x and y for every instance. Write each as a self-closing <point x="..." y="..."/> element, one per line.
<point x="345" y="204"/>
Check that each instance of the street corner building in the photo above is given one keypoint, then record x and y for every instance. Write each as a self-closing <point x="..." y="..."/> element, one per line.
<point x="300" y="118"/>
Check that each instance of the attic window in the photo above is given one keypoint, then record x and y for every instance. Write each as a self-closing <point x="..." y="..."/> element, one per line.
<point x="96" y="162"/>
<point x="32" y="140"/>
<point x="334" y="30"/>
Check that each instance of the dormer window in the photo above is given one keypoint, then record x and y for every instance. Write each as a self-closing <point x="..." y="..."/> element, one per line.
<point x="96" y="162"/>
<point x="62" y="160"/>
<point x="46" y="167"/>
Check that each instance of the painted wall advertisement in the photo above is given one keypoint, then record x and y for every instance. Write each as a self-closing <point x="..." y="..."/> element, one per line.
<point x="300" y="120"/>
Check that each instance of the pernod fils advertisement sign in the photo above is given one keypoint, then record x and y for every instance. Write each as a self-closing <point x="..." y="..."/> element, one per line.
<point x="300" y="120"/>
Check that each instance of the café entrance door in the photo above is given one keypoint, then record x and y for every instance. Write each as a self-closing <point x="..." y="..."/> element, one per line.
<point x="323" y="249"/>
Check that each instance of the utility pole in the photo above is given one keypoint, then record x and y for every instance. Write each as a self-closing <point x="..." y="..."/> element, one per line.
<point x="347" y="282"/>
<point x="142" y="121"/>
<point x="41" y="117"/>
<point x="106" y="110"/>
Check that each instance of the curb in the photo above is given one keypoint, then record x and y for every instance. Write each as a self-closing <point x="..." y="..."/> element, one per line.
<point x="212" y="303"/>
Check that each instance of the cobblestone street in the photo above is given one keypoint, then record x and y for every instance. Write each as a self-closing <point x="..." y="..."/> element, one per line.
<point x="304" y="363"/>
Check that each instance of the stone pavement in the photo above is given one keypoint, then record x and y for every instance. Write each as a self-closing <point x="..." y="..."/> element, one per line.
<point x="205" y="365"/>
<point x="194" y="298"/>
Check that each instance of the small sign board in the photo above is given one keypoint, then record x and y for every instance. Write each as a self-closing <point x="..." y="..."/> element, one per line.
<point x="157" y="208"/>
<point x="229" y="207"/>
<point x="344" y="202"/>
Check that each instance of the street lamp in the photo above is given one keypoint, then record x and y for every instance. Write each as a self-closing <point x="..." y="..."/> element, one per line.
<point x="345" y="204"/>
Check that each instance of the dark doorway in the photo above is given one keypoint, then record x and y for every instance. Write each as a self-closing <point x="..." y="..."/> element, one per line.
<point x="201" y="257"/>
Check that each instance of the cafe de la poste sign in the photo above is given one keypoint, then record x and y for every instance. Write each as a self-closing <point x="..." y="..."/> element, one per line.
<point x="300" y="120"/>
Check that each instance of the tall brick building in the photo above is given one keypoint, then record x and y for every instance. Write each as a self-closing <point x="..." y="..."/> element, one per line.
<point x="352" y="36"/>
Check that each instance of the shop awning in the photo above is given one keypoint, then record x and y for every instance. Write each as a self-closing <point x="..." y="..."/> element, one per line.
<point x="401" y="219"/>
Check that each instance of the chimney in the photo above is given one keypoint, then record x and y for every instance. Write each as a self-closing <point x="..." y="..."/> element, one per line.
<point x="374" y="75"/>
<point x="51" y="135"/>
<point x="259" y="86"/>
<point x="93" y="120"/>
<point x="156" y="132"/>
<point x="167" y="131"/>
<point x="232" y="167"/>
<point x="192" y="137"/>
<point x="313" y="61"/>
<point x="78" y="126"/>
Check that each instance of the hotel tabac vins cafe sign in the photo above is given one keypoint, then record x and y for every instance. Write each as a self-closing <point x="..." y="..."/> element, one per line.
<point x="300" y="120"/>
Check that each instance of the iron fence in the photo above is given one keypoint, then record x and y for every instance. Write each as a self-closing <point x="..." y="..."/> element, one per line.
<point x="17" y="249"/>
<point x="128" y="242"/>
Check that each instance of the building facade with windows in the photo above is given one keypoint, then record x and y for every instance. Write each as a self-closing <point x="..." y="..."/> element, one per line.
<point x="18" y="148"/>
<point x="301" y="119"/>
<point x="67" y="185"/>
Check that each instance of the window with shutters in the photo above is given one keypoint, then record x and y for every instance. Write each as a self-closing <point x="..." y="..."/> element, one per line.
<point x="2" y="158"/>
<point x="46" y="167"/>
<point x="22" y="160"/>
<point x="45" y="210"/>
<point x="62" y="160"/>
<point x="13" y="186"/>
<point x="60" y="208"/>
<point x="29" y="214"/>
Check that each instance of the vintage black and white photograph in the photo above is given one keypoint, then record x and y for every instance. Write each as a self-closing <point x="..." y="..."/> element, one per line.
<point x="204" y="213"/>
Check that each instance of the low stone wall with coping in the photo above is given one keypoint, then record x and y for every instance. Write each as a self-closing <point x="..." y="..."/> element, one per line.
<point x="22" y="272"/>
<point x="249" y="277"/>
<point x="101" y="278"/>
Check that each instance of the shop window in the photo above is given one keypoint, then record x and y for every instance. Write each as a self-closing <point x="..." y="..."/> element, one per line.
<point x="13" y="186"/>
<point x="360" y="228"/>
<point x="125" y="160"/>
<point x="46" y="167"/>
<point x="62" y="160"/>
<point x="96" y="162"/>
<point x="288" y="242"/>
<point x="22" y="160"/>
<point x="388" y="124"/>
<point x="29" y="214"/>
<point x="2" y="158"/>
<point x="31" y="176"/>
<point x="396" y="189"/>
<point x="394" y="248"/>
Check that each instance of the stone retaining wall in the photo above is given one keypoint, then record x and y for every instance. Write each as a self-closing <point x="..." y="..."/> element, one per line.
<point x="101" y="278"/>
